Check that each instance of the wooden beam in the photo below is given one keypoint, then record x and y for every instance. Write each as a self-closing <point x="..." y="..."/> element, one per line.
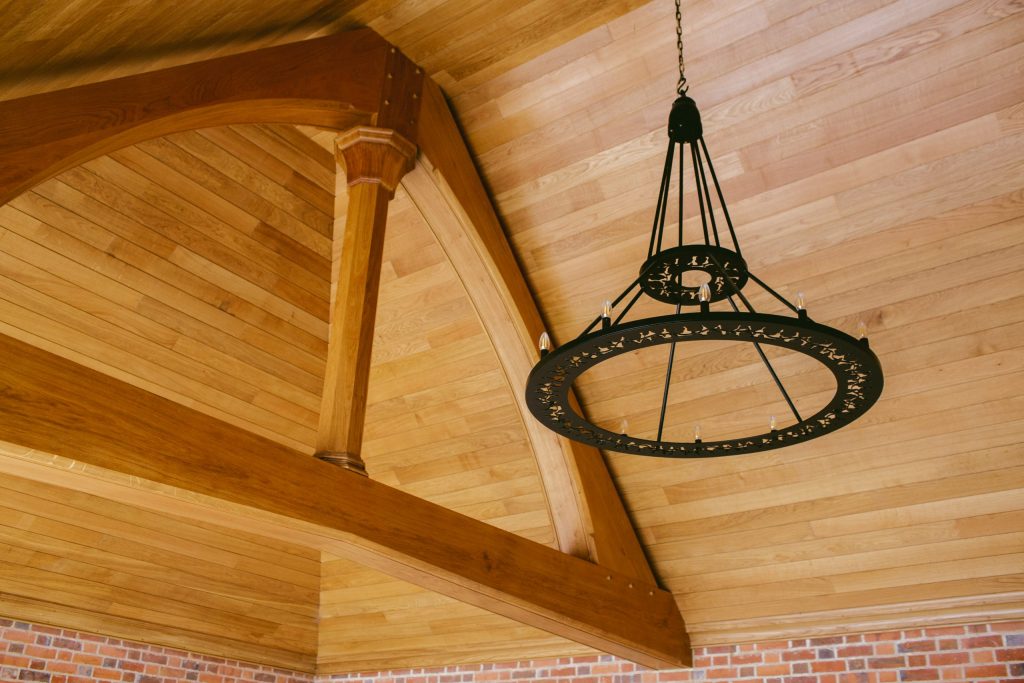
<point x="336" y="82"/>
<point x="52" y="405"/>
<point x="374" y="160"/>
<point x="589" y="517"/>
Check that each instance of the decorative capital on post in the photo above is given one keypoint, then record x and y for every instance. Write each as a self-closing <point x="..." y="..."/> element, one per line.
<point x="375" y="155"/>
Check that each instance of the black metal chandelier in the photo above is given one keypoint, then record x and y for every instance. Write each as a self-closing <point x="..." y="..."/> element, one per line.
<point x="854" y="366"/>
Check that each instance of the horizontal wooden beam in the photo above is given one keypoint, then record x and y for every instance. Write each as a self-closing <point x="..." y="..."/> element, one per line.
<point x="53" y="405"/>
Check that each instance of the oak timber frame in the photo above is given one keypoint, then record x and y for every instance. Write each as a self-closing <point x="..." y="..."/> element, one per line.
<point x="599" y="590"/>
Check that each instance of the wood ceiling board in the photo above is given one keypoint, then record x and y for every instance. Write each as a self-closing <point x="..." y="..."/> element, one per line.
<point x="81" y="561"/>
<point x="368" y="619"/>
<point x="123" y="270"/>
<point x="873" y="165"/>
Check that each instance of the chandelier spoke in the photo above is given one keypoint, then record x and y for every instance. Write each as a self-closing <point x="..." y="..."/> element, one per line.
<point x="778" y="296"/>
<point x="706" y="192"/>
<point x="668" y="382"/>
<point x="721" y="198"/>
<point x="700" y="195"/>
<point x="659" y="211"/>
<point x="771" y="371"/>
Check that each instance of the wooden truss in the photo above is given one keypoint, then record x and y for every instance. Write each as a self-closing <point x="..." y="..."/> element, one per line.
<point x="395" y="127"/>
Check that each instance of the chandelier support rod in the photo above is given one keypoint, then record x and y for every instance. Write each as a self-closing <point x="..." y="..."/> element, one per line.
<point x="771" y="371"/>
<point x="771" y="291"/>
<point x="757" y="346"/>
<point x="615" y="303"/>
<point x="666" y="180"/>
<point x="625" y="310"/>
<point x="703" y="187"/>
<point x="721" y="198"/>
<point x="682" y="185"/>
<point x="668" y="382"/>
<point x="700" y="196"/>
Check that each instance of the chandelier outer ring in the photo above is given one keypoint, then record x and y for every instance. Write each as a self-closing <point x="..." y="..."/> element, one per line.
<point x="856" y="369"/>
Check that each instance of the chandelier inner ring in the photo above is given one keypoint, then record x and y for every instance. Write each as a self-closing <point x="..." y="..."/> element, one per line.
<point x="855" y="367"/>
<point x="661" y="276"/>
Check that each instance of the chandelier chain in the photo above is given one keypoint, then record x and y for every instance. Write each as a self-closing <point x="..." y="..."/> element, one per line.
<point x="681" y="86"/>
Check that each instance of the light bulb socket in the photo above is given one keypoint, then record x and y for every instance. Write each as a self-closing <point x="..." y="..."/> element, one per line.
<point x="801" y="313"/>
<point x="705" y="307"/>
<point x="606" y="322"/>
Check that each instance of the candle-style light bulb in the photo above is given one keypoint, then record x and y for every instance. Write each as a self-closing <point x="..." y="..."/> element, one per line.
<point x="772" y="424"/>
<point x="696" y="432"/>
<point x="862" y="330"/>
<point x="624" y="427"/>
<point x="606" y="315"/>
<point x="801" y="302"/>
<point x="544" y="343"/>
<point x="704" y="293"/>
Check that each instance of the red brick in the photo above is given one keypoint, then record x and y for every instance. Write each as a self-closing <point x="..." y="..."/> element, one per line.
<point x="886" y="662"/>
<point x="795" y="655"/>
<point x="747" y="658"/>
<point x="988" y="671"/>
<point x="919" y="675"/>
<point x="918" y="646"/>
<point x="945" y="658"/>
<point x="821" y="642"/>
<point x="720" y="673"/>
<point x="1008" y="627"/>
<point x="855" y="651"/>
<point x="773" y="670"/>
<point x="828" y="665"/>
<point x="884" y="635"/>
<point x="1014" y="655"/>
<point x="945" y="631"/>
<point x="982" y="641"/>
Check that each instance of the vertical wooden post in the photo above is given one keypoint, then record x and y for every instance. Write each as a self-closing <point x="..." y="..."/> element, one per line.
<point x="375" y="159"/>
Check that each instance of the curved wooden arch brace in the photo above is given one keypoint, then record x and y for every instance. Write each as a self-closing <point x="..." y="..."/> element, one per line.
<point x="339" y="82"/>
<point x="586" y="509"/>
<point x="335" y="82"/>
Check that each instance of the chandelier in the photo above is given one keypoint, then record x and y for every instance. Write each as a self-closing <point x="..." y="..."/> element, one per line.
<point x="667" y="276"/>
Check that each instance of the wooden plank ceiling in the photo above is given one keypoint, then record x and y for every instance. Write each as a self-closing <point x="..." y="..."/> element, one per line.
<point x="870" y="151"/>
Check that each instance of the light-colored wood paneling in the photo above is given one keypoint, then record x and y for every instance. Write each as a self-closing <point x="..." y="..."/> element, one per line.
<point x="870" y="153"/>
<point x="869" y="157"/>
<point x="160" y="268"/>
<point x="81" y="561"/>
<point x="369" y="621"/>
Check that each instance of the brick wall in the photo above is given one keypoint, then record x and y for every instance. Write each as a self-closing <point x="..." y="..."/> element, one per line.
<point x="29" y="652"/>
<point x="976" y="653"/>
